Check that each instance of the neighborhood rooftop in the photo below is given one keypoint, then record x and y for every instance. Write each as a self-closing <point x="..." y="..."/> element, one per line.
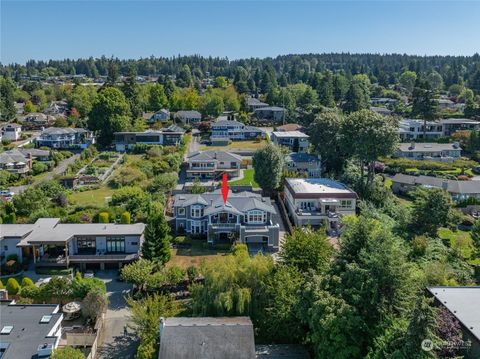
<point x="428" y="147"/>
<point x="318" y="186"/>
<point x="296" y="134"/>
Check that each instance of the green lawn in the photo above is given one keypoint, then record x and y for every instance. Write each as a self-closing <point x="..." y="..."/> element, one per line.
<point x="236" y="145"/>
<point x="94" y="197"/>
<point x="247" y="179"/>
<point x="460" y="241"/>
<point x="195" y="254"/>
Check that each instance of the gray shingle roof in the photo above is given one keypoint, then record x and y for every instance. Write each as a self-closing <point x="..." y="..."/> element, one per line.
<point x="452" y="186"/>
<point x="242" y="201"/>
<point x="222" y="122"/>
<point x="299" y="157"/>
<point x="219" y="155"/>
<point x="188" y="114"/>
<point x="207" y="338"/>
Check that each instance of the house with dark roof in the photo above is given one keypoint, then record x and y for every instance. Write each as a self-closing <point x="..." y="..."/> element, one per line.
<point x="160" y="116"/>
<point x="452" y="125"/>
<point x="291" y="127"/>
<point x="270" y="113"/>
<point x="254" y="103"/>
<point x="49" y="243"/>
<point x="206" y="338"/>
<point x="29" y="330"/>
<point x="318" y="201"/>
<point x="463" y="303"/>
<point x="246" y="216"/>
<point x="65" y="138"/>
<point x="296" y="141"/>
<point x="234" y="130"/>
<point x="37" y="121"/>
<point x="188" y="117"/>
<point x="170" y="136"/>
<point x="445" y="152"/>
<point x="458" y="190"/>
<point x="304" y="164"/>
<point x="212" y="164"/>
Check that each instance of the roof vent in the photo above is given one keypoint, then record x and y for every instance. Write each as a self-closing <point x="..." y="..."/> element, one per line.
<point x="44" y="350"/>
<point x="7" y="329"/>
<point x="45" y="319"/>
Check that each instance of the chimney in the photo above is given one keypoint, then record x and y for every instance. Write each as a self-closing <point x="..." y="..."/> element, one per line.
<point x="456" y="144"/>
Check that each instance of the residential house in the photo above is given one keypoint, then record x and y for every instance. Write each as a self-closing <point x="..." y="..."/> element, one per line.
<point x="49" y="243"/>
<point x="65" y="138"/>
<point x="11" y="132"/>
<point x="206" y="338"/>
<point x="452" y="125"/>
<point x="463" y="304"/>
<point x="170" y="136"/>
<point x="289" y="127"/>
<point x="188" y="117"/>
<point x="246" y="216"/>
<point x="234" y="130"/>
<point x="56" y="108"/>
<point x="37" y="121"/>
<point x="458" y="190"/>
<point x="296" y="141"/>
<point x="19" y="160"/>
<point x="212" y="164"/>
<point x="413" y="129"/>
<point x="445" y="104"/>
<point x="381" y="110"/>
<point x="29" y="330"/>
<point x="160" y="116"/>
<point x="270" y="113"/>
<point x="318" y="201"/>
<point x="444" y="152"/>
<point x="384" y="101"/>
<point x="304" y="164"/>
<point x="254" y="103"/>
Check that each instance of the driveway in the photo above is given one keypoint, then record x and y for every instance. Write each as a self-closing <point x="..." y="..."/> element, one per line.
<point x="116" y="345"/>
<point x="58" y="170"/>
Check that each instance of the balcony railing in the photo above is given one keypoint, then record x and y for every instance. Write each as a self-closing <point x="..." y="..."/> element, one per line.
<point x="79" y="258"/>
<point x="223" y="225"/>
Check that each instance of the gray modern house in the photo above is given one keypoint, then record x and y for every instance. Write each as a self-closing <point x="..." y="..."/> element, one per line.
<point x="304" y="164"/>
<point x="65" y="138"/>
<point x="296" y="141"/>
<point x="49" y="243"/>
<point x="211" y="164"/>
<point x="247" y="217"/>
<point x="234" y="130"/>
<point x="444" y="152"/>
<point x="170" y="136"/>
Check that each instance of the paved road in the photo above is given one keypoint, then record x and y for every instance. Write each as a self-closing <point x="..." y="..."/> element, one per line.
<point x="116" y="345"/>
<point x="62" y="166"/>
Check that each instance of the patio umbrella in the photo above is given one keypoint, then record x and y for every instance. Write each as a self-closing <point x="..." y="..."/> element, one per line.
<point x="72" y="308"/>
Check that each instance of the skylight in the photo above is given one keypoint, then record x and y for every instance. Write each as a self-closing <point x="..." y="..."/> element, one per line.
<point x="46" y="319"/>
<point x="7" y="329"/>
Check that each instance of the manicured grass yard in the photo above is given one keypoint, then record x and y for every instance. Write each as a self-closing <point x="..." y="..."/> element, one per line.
<point x="247" y="179"/>
<point x="237" y="145"/>
<point x="460" y="241"/>
<point x="94" y="197"/>
<point x="195" y="254"/>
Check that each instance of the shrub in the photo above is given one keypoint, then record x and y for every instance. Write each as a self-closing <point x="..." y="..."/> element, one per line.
<point x="27" y="282"/>
<point x="67" y="353"/>
<point x="1" y="284"/>
<point x="12" y="257"/>
<point x="125" y="219"/>
<point x="12" y="286"/>
<point x="192" y="273"/>
<point x="81" y="287"/>
<point x="175" y="275"/>
<point x="103" y="217"/>
<point x="32" y="292"/>
<point x="53" y="271"/>
<point x="93" y="304"/>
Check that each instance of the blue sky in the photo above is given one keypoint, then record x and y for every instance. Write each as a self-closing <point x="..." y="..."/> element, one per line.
<point x="236" y="29"/>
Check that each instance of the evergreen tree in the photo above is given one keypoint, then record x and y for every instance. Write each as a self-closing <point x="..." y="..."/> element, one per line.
<point x="112" y="75"/>
<point x="156" y="245"/>
<point x="7" y="102"/>
<point x="424" y="105"/>
<point x="357" y="98"/>
<point x="325" y="90"/>
<point x="131" y="92"/>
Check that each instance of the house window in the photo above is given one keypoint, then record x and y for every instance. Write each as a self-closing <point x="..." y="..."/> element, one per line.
<point x="5" y="248"/>
<point x="181" y="211"/>
<point x="197" y="227"/>
<point x="196" y="211"/>
<point x="256" y="216"/>
<point x="116" y="244"/>
<point x="86" y="245"/>
<point x="345" y="203"/>
<point x="134" y="243"/>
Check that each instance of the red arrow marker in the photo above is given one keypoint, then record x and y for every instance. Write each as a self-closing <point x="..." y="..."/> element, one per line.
<point x="224" y="188"/>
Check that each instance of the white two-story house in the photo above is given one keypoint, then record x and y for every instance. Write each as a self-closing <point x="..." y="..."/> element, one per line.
<point x="212" y="164"/>
<point x="318" y="201"/>
<point x="234" y="130"/>
<point x="296" y="141"/>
